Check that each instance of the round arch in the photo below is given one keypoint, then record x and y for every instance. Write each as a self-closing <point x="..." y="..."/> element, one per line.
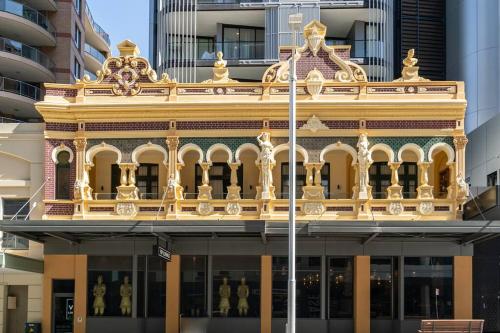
<point x="189" y="147"/>
<point x="414" y="148"/>
<point x="94" y="150"/>
<point x="339" y="146"/>
<point x="285" y="146"/>
<point x="149" y="147"/>
<point x="219" y="146"/>
<point x="246" y="146"/>
<point x="385" y="148"/>
<point x="443" y="146"/>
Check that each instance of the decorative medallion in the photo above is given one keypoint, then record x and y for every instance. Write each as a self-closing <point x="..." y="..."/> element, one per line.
<point x="396" y="208"/>
<point x="205" y="208"/>
<point x="313" y="208"/>
<point x="426" y="207"/>
<point x="127" y="209"/>
<point x="314" y="83"/>
<point x="314" y="124"/>
<point x="233" y="208"/>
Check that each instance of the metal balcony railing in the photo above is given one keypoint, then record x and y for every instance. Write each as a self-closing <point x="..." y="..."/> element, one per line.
<point x="11" y="242"/>
<point x="25" y="51"/>
<point x="100" y="31"/>
<point x="33" y="15"/>
<point x="208" y="50"/>
<point x="20" y="88"/>
<point x="95" y="53"/>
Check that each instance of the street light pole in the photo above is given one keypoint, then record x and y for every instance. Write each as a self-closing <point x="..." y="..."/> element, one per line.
<point x="295" y="22"/>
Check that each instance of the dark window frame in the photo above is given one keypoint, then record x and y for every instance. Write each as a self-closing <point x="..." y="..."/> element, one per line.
<point x="149" y="178"/>
<point x="492" y="179"/>
<point x="225" y="177"/>
<point x="62" y="178"/>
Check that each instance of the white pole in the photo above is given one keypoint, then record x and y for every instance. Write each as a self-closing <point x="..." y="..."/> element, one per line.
<point x="294" y="21"/>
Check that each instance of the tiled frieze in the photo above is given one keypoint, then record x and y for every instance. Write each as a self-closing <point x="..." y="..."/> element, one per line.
<point x="127" y="146"/>
<point x="410" y="124"/>
<point x="61" y="127"/>
<point x="128" y="126"/>
<point x="214" y="125"/>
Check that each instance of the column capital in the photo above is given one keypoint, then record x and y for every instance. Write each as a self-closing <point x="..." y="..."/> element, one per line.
<point x="394" y="165"/>
<point x="460" y="141"/>
<point x="80" y="143"/>
<point x="172" y="142"/>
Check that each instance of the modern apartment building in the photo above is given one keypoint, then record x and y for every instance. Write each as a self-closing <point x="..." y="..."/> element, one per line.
<point x="40" y="41"/>
<point x="44" y="41"/>
<point x="185" y="35"/>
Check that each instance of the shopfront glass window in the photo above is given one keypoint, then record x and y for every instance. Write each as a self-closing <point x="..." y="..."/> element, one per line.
<point x="340" y="277"/>
<point x="236" y="286"/>
<point x="383" y="287"/>
<point x="109" y="286"/>
<point x="194" y="286"/>
<point x="428" y="283"/>
<point x="157" y="279"/>
<point x="308" y="276"/>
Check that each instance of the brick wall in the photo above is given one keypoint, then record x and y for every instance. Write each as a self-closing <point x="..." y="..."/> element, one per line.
<point x="50" y="168"/>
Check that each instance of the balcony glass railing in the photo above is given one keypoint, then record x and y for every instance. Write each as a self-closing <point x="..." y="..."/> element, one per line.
<point x="25" y="51"/>
<point x="229" y="2"/>
<point x="94" y="53"/>
<point x="19" y="9"/>
<point x="20" y="88"/>
<point x="207" y="50"/>
<point x="100" y="31"/>
<point x="360" y="48"/>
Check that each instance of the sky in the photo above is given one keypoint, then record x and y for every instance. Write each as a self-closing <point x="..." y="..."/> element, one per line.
<point x="123" y="19"/>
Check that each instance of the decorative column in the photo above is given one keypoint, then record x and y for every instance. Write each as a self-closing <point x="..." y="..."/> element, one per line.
<point x="81" y="186"/>
<point x="234" y="189"/>
<point x="174" y="188"/>
<point x="361" y="294"/>
<point x="424" y="190"/>
<point x="462" y="188"/>
<point x="127" y="189"/>
<point x="395" y="191"/>
<point x="205" y="190"/>
<point x="452" y="188"/>
<point x="364" y="162"/>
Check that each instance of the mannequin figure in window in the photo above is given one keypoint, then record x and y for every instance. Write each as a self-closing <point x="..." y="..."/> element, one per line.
<point x="126" y="294"/>
<point x="243" y="292"/>
<point x="225" y="294"/>
<point x="99" y="292"/>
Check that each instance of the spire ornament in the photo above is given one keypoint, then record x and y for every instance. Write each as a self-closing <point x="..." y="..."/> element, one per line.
<point x="220" y="71"/>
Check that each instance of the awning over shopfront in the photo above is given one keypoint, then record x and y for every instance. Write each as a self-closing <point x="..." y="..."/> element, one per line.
<point x="465" y="232"/>
<point x="10" y="262"/>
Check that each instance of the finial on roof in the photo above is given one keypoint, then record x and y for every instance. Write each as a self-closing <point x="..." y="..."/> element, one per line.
<point x="128" y="48"/>
<point x="410" y="71"/>
<point x="220" y="71"/>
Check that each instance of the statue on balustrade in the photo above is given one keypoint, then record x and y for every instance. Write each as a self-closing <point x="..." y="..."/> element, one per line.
<point x="364" y="161"/>
<point x="243" y="293"/>
<point x="126" y="294"/>
<point x="99" y="291"/>
<point x="224" y="294"/>
<point x="266" y="157"/>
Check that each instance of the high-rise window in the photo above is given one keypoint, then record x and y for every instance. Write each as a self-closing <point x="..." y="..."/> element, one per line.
<point x="428" y="287"/>
<point x="77" y="68"/>
<point x="62" y="175"/>
<point x="78" y="6"/>
<point x="491" y="179"/>
<point x="77" y="37"/>
<point x="243" y="42"/>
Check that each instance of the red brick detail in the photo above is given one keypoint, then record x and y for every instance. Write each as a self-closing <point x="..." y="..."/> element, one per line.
<point x="410" y="124"/>
<point x="332" y="124"/>
<point x="63" y="34"/>
<point x="63" y="92"/>
<point x="410" y="209"/>
<point x="127" y="126"/>
<point x="207" y="125"/>
<point x="102" y="209"/>
<point x="379" y="209"/>
<point x="249" y="209"/>
<point x="219" y="209"/>
<point x="151" y="209"/>
<point x="61" y="127"/>
<point x="188" y="209"/>
<point x="442" y="208"/>
<point x="340" y="209"/>
<point x="284" y="209"/>
<point x="50" y="168"/>
<point x="59" y="209"/>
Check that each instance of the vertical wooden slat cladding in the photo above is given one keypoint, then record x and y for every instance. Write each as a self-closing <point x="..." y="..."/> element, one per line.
<point x="420" y="24"/>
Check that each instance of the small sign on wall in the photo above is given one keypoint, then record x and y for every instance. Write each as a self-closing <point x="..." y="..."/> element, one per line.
<point x="11" y="303"/>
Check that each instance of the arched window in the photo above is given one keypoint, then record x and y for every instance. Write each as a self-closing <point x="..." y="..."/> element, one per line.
<point x="62" y="175"/>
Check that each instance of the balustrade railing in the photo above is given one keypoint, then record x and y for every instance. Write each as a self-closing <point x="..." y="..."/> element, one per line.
<point x="33" y="15"/>
<point x="25" y="51"/>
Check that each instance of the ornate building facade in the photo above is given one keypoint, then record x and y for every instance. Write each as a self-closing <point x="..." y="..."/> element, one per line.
<point x="134" y="160"/>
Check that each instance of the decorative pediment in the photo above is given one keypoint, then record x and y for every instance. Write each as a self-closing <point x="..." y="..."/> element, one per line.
<point x="331" y="61"/>
<point x="126" y="72"/>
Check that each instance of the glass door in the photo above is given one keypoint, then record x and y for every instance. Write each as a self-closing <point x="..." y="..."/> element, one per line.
<point x="63" y="309"/>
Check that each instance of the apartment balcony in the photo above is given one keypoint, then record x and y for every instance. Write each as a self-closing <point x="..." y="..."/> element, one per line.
<point x="94" y="33"/>
<point x="232" y="4"/>
<point x="93" y="59"/>
<point x="25" y="24"/>
<point x="24" y="62"/>
<point x="17" y="98"/>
